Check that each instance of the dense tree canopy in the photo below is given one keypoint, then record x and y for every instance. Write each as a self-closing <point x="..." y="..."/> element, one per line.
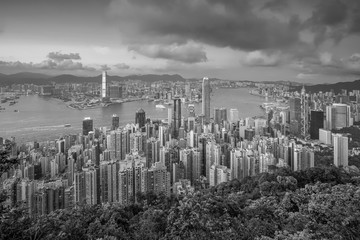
<point x="319" y="203"/>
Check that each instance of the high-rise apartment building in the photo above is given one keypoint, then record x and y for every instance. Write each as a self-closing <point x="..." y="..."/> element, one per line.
<point x="341" y="151"/>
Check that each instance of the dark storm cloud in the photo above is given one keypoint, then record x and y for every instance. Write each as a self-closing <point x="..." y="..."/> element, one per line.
<point x="334" y="19"/>
<point x="58" y="56"/>
<point x="326" y="63"/>
<point x="276" y="5"/>
<point x="188" y="53"/>
<point x="214" y="22"/>
<point x="122" y="66"/>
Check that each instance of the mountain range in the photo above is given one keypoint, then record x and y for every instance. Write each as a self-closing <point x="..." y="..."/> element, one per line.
<point x="43" y="79"/>
<point x="336" y="87"/>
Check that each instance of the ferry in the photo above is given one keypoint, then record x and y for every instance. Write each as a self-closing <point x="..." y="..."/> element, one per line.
<point x="160" y="106"/>
<point x="12" y="103"/>
<point x="67" y="125"/>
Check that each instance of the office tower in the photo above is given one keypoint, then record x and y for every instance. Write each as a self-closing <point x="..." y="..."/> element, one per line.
<point x="60" y="145"/>
<point x="87" y="126"/>
<point x="177" y="117"/>
<point x="341" y="151"/>
<point x="234" y="115"/>
<point x="206" y="99"/>
<point x="316" y="122"/>
<point x="249" y="134"/>
<point x="104" y="86"/>
<point x="140" y="118"/>
<point x="295" y="109"/>
<point x="220" y="115"/>
<point x="216" y="115"/>
<point x="338" y="116"/>
<point x="115" y="122"/>
<point x="304" y="122"/>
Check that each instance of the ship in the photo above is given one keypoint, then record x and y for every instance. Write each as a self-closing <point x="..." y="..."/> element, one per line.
<point x="160" y="106"/>
<point x="16" y="110"/>
<point x="67" y="125"/>
<point x="12" y="103"/>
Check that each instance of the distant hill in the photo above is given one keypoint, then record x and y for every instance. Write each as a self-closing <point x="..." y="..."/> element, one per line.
<point x="349" y="86"/>
<point x="42" y="79"/>
<point x="29" y="75"/>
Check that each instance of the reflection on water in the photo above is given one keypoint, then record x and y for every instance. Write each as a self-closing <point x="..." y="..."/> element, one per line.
<point x="43" y="118"/>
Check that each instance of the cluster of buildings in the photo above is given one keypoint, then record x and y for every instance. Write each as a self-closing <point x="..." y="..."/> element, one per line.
<point x="174" y="156"/>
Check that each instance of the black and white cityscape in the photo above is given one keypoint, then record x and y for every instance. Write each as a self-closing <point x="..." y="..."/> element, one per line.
<point x="199" y="119"/>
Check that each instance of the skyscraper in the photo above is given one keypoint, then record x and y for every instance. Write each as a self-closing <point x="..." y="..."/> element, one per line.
<point x="234" y="115"/>
<point x="341" y="151"/>
<point x="177" y="116"/>
<point x="140" y="118"/>
<point x="115" y="122"/>
<point x="295" y="109"/>
<point x="87" y="126"/>
<point x="316" y="122"/>
<point x="338" y="116"/>
<point x="206" y="99"/>
<point x="104" y="87"/>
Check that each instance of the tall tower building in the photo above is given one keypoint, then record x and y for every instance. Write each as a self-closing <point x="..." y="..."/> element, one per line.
<point x="177" y="116"/>
<point x="115" y="122"/>
<point x="304" y="122"/>
<point x="140" y="118"/>
<point x="338" y="116"/>
<point x="206" y="99"/>
<point x="316" y="122"/>
<point x="234" y="115"/>
<point x="295" y="108"/>
<point x="104" y="87"/>
<point x="87" y="126"/>
<point x="341" y="151"/>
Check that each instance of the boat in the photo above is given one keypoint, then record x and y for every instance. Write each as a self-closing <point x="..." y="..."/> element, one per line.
<point x="12" y="103"/>
<point x="160" y="106"/>
<point x="67" y="125"/>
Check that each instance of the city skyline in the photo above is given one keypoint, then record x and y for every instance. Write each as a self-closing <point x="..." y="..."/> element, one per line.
<point x="303" y="41"/>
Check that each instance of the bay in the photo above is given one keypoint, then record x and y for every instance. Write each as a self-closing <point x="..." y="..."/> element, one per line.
<point x="43" y="118"/>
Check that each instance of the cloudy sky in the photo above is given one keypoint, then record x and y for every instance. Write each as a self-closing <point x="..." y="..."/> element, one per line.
<point x="296" y="40"/>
